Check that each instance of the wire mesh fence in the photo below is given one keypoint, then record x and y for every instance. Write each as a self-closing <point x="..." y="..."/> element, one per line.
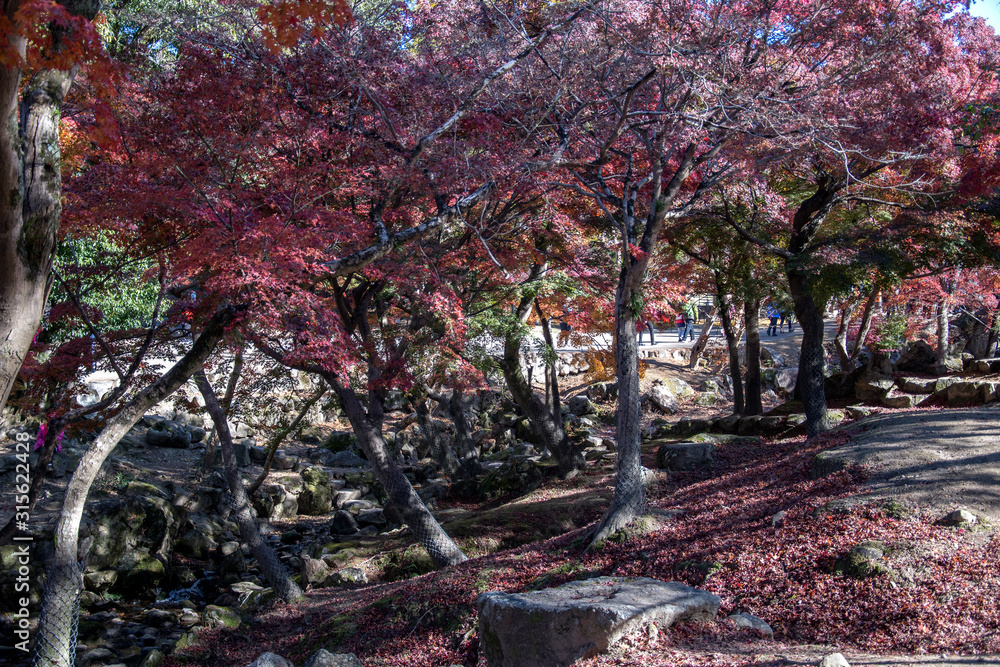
<point x="56" y="638"/>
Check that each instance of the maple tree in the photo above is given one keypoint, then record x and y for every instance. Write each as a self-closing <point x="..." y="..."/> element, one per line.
<point x="696" y="93"/>
<point x="294" y="180"/>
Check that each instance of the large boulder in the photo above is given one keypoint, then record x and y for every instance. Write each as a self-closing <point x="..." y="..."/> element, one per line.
<point x="138" y="574"/>
<point x="558" y="626"/>
<point x="678" y="387"/>
<point x="580" y="405"/>
<point x="685" y="455"/>
<point x="785" y="379"/>
<point x="515" y="477"/>
<point x="661" y="398"/>
<point x="970" y="393"/>
<point x="315" y="497"/>
<point x="149" y="523"/>
<point x="873" y="386"/>
<point x="274" y="501"/>
<point x="168" y="433"/>
<point x="919" y="357"/>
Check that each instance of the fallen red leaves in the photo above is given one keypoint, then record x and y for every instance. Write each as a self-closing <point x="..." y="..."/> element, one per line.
<point x="947" y="597"/>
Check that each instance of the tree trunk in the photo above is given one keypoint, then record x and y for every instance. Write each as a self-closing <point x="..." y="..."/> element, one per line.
<point x="60" y="605"/>
<point x="440" y="452"/>
<point x="274" y="572"/>
<point x="278" y="438"/>
<point x="811" y="381"/>
<point x="733" y="344"/>
<point x="840" y="340"/>
<point x="546" y="424"/>
<point x="699" y="346"/>
<point x="29" y="217"/>
<point x="463" y="455"/>
<point x="31" y="181"/>
<point x="428" y="532"/>
<point x="751" y="311"/>
<point x="630" y="493"/>
<point x="942" y="331"/>
<point x="867" y="315"/>
<point x="227" y="405"/>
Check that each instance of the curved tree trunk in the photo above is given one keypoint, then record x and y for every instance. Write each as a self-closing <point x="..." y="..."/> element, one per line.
<point x="840" y="340"/>
<point x="699" y="346"/>
<point x="227" y="403"/>
<point x="751" y="311"/>
<point x="278" y="438"/>
<point x="440" y="547"/>
<point x="60" y="605"/>
<point x="811" y="381"/>
<point x="546" y="423"/>
<point x="733" y="344"/>
<point x="274" y="572"/>
<point x="630" y="493"/>
<point x="867" y="315"/>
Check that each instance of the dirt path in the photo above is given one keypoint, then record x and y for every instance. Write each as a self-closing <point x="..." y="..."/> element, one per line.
<point x="933" y="460"/>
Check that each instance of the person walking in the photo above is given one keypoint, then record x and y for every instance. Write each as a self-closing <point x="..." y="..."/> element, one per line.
<point x="681" y="328"/>
<point x="690" y="317"/>
<point x="772" y="316"/>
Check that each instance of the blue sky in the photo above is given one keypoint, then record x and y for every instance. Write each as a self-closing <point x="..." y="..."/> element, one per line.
<point x="988" y="9"/>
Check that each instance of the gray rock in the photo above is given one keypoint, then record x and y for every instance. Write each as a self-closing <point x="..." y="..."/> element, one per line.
<point x="323" y="658"/>
<point x="873" y="386"/>
<point x="270" y="660"/>
<point x="918" y="385"/>
<point x="371" y="517"/>
<point x="315" y="497"/>
<point x="348" y="576"/>
<point x="751" y="622"/>
<point x="345" y="496"/>
<point x="970" y="393"/>
<point x="661" y="398"/>
<point x="101" y="580"/>
<point x="580" y="405"/>
<point x="685" y="455"/>
<point x="242" y="454"/>
<point x="343" y="523"/>
<point x="960" y="517"/>
<point x="558" y="626"/>
<point x="314" y="571"/>
<point x="344" y="459"/>
<point x="785" y="379"/>
<point x="775" y="357"/>
<point x="678" y="387"/>
<point x="834" y="660"/>
<point x="282" y="461"/>
<point x="168" y="433"/>
<point x="919" y="357"/>
<point x="98" y="655"/>
<point x="160" y="618"/>
<point x="154" y="658"/>
<point x="275" y="502"/>
<point x="241" y="430"/>
<point x="197" y="433"/>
